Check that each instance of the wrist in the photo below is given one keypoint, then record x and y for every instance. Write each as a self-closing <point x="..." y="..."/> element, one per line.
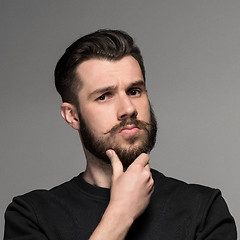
<point x="114" y="224"/>
<point x="119" y="214"/>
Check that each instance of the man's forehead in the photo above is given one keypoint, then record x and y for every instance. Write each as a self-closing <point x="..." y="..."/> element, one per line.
<point x="95" y="73"/>
<point x="97" y="63"/>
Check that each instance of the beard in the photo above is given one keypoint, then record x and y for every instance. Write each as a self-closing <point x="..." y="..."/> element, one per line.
<point x="99" y="145"/>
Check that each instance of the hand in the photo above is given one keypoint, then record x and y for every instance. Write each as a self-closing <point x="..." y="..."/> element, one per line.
<point x="131" y="190"/>
<point x="130" y="195"/>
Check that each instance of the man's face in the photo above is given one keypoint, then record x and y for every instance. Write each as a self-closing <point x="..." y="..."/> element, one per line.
<point x="114" y="110"/>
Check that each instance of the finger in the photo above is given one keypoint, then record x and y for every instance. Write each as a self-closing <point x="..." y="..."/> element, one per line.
<point x="151" y="190"/>
<point x="147" y="167"/>
<point x="142" y="159"/>
<point x="151" y="185"/>
<point x="115" y="162"/>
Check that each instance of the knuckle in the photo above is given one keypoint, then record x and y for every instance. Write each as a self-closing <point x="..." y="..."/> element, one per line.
<point x="146" y="174"/>
<point x="152" y="181"/>
<point x="138" y="167"/>
<point x="148" y="167"/>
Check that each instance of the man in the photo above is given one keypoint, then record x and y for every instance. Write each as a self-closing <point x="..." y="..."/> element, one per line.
<point x="101" y="80"/>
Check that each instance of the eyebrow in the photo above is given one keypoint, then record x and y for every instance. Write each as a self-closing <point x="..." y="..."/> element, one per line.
<point x="137" y="83"/>
<point x="101" y="91"/>
<point x="109" y="88"/>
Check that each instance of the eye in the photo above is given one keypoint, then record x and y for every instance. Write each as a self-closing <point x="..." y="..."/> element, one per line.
<point x="135" y="92"/>
<point x="104" y="97"/>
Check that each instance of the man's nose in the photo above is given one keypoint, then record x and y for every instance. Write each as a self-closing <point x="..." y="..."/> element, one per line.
<point x="126" y="109"/>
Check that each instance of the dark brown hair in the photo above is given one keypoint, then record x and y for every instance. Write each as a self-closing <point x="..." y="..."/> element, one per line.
<point x="102" y="44"/>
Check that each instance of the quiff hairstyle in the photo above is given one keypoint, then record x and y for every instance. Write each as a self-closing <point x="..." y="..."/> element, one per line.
<point x="111" y="45"/>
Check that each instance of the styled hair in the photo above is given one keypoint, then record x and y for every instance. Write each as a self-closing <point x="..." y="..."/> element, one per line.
<point x="103" y="44"/>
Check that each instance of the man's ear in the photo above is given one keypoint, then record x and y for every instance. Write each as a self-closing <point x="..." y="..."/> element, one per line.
<point x="70" y="114"/>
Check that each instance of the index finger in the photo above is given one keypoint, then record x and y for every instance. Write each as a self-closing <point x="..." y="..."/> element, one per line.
<point x="142" y="159"/>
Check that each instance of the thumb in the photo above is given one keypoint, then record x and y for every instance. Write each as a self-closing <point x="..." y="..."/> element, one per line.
<point x="115" y="162"/>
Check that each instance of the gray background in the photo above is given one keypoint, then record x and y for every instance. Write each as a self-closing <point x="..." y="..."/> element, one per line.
<point x="192" y="55"/>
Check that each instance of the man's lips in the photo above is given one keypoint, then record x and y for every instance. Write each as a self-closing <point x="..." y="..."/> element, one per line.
<point x="129" y="130"/>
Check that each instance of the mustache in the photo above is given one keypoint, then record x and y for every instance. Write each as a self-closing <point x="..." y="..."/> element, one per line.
<point x="139" y="124"/>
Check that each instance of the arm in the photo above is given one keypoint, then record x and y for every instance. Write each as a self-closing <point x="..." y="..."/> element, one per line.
<point x="130" y="195"/>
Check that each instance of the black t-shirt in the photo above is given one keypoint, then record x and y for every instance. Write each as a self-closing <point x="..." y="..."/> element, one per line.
<point x="72" y="211"/>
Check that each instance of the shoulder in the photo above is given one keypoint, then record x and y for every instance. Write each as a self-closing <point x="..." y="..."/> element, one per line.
<point x="173" y="183"/>
<point x="40" y="198"/>
<point x="202" y="206"/>
<point x="35" y="214"/>
<point x="180" y="191"/>
<point x="201" y="201"/>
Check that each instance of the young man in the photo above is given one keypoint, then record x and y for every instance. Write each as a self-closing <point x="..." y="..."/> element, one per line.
<point x="101" y="80"/>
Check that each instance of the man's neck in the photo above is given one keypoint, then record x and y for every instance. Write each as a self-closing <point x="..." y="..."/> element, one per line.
<point x="97" y="173"/>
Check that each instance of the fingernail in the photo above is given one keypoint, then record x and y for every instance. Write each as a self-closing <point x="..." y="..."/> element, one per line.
<point x="109" y="153"/>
